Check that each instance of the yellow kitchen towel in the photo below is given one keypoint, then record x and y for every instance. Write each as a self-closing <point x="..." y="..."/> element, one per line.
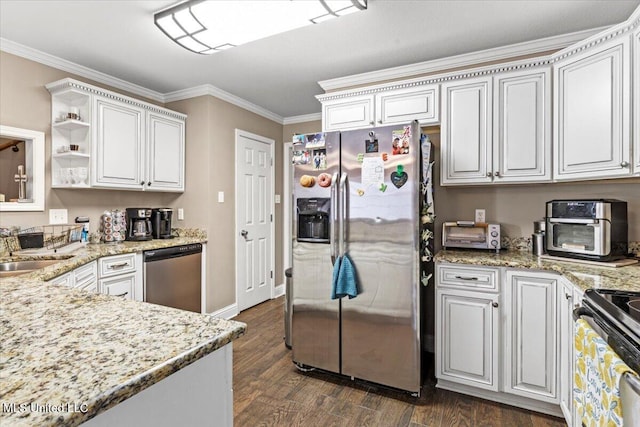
<point x="597" y="379"/>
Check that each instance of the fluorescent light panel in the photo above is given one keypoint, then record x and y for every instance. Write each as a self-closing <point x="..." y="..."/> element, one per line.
<point x="210" y="26"/>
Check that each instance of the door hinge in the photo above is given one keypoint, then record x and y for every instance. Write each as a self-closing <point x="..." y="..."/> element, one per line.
<point x="271" y="273"/>
<point x="271" y="216"/>
<point x="271" y="161"/>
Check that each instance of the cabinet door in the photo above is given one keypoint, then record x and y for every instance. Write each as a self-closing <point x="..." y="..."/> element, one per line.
<point x="531" y="355"/>
<point x="118" y="144"/>
<point x="591" y="112"/>
<point x="467" y="338"/>
<point x="406" y="105"/>
<point x="64" y="280"/>
<point x="121" y="286"/>
<point x="566" y="305"/>
<point x="522" y="126"/>
<point x="165" y="153"/>
<point x="348" y="113"/>
<point x="466" y="132"/>
<point x="86" y="277"/>
<point x="636" y="102"/>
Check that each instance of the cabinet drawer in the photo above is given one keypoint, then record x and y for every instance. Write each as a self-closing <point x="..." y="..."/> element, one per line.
<point x="86" y="273"/>
<point x="117" y="264"/>
<point x="64" y="280"/>
<point x="121" y="286"/>
<point x="468" y="277"/>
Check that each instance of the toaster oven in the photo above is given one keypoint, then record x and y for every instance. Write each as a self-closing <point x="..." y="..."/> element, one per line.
<point x="587" y="229"/>
<point x="471" y="235"/>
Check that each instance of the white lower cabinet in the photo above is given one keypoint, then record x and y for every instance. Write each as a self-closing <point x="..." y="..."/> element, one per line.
<point x="530" y="344"/>
<point x="569" y="298"/>
<point x="121" y="275"/>
<point x="84" y="277"/>
<point x="467" y="338"/>
<point x="497" y="335"/>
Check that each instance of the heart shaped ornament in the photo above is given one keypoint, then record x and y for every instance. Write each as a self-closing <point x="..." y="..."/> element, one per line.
<point x="399" y="177"/>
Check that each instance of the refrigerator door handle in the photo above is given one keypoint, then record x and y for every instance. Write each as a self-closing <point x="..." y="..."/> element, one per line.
<point x="333" y="218"/>
<point x="343" y="212"/>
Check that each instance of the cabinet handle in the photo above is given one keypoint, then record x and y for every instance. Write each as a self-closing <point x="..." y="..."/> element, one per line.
<point x="496" y="174"/>
<point x="122" y="295"/>
<point x="380" y="121"/>
<point x="141" y="182"/>
<point x="149" y="184"/>
<point x="466" y="278"/>
<point x="122" y="264"/>
<point x="489" y="174"/>
<point x="372" y="122"/>
<point x="567" y="296"/>
<point x="495" y="304"/>
<point x="624" y="164"/>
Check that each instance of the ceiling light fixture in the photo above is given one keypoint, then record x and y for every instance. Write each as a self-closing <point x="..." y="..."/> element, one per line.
<point x="207" y="27"/>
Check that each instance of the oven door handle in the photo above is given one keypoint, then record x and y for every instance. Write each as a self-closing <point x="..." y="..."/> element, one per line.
<point x="581" y="311"/>
<point x="573" y="221"/>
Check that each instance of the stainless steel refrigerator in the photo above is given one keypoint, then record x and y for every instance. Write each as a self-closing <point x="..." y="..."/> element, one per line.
<point x="357" y="193"/>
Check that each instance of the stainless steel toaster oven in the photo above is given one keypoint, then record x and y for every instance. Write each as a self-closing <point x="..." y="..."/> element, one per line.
<point x="471" y="235"/>
<point x="587" y="229"/>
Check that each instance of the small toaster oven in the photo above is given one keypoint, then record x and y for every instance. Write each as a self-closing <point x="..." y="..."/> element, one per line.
<point x="471" y="235"/>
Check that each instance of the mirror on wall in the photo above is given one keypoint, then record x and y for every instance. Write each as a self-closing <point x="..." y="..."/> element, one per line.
<point x="21" y="169"/>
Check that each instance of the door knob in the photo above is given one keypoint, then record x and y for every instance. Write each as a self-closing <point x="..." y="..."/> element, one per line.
<point x="624" y="164"/>
<point x="244" y="233"/>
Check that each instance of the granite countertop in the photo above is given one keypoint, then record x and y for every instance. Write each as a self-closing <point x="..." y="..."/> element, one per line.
<point x="64" y="349"/>
<point x="581" y="275"/>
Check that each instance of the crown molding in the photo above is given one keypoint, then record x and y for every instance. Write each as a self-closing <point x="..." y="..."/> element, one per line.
<point x="302" y="118"/>
<point x="464" y="60"/>
<point x="80" y="70"/>
<point x="211" y="90"/>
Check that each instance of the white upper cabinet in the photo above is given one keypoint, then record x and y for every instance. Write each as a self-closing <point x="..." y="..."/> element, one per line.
<point x="165" y="152"/>
<point x="466" y="132"/>
<point x="405" y="105"/>
<point x="382" y="108"/>
<point x="636" y="102"/>
<point x="117" y="144"/>
<point x="121" y="142"/>
<point x="592" y="111"/>
<point x="345" y="114"/>
<point x="522" y="126"/>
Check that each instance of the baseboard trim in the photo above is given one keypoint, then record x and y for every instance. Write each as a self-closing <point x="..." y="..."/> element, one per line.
<point x="278" y="291"/>
<point x="505" y="398"/>
<point x="227" y="312"/>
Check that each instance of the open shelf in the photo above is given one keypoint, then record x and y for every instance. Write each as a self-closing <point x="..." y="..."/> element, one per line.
<point x="71" y="125"/>
<point x="71" y="155"/>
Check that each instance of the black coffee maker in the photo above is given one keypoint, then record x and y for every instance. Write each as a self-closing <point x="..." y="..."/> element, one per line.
<point x="161" y="223"/>
<point x="139" y="224"/>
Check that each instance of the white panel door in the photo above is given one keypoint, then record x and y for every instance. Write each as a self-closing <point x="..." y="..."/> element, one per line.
<point x="636" y="102"/>
<point x="566" y="305"/>
<point x="118" y="144"/>
<point x="165" y="153"/>
<point x="349" y="113"/>
<point x="406" y="105"/>
<point x="531" y="353"/>
<point x="522" y="126"/>
<point x="254" y="207"/>
<point x="466" y="132"/>
<point x="123" y="286"/>
<point x="467" y="338"/>
<point x="592" y="112"/>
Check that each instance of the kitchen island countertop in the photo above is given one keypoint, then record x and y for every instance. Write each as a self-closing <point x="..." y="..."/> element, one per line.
<point x="581" y="275"/>
<point x="68" y="355"/>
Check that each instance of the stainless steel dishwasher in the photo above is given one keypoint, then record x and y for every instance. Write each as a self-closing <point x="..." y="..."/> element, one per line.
<point x="173" y="277"/>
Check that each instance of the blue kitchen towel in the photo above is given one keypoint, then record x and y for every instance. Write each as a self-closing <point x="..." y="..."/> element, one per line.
<point x="344" y="279"/>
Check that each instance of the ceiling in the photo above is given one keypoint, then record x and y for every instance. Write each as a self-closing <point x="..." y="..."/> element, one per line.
<point x="280" y="73"/>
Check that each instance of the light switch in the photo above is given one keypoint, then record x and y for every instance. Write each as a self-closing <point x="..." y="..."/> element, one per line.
<point x="58" y="216"/>
<point x="180" y="214"/>
<point x="220" y="196"/>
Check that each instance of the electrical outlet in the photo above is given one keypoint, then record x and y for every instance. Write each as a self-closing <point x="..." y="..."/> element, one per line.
<point x="58" y="216"/>
<point x="180" y="214"/>
<point x="220" y="196"/>
<point x="276" y="198"/>
<point x="480" y="215"/>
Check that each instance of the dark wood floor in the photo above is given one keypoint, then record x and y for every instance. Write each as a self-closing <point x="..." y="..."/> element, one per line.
<point x="269" y="391"/>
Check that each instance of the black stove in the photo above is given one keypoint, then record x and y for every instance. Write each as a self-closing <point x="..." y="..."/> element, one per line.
<point x="618" y="323"/>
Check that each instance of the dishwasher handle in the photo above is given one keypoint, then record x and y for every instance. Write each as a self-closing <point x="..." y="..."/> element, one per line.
<point x="172" y="252"/>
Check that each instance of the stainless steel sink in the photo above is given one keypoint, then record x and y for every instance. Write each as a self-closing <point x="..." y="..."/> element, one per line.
<point x="15" y="268"/>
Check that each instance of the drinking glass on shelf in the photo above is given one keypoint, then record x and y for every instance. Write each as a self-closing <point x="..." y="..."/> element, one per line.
<point x="72" y="175"/>
<point x="82" y="174"/>
<point x="63" y="175"/>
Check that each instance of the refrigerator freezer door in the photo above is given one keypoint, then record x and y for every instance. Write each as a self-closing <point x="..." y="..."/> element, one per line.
<point x="381" y="326"/>
<point x="315" y="317"/>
